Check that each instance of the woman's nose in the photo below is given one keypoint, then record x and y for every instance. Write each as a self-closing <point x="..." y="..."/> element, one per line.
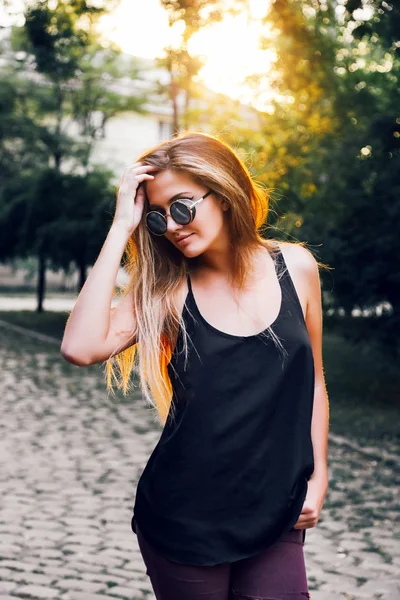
<point x="171" y="224"/>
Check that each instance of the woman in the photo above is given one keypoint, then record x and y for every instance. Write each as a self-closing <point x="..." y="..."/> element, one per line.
<point x="228" y="328"/>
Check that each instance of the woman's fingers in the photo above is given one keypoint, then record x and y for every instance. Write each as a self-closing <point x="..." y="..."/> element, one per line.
<point x="136" y="169"/>
<point x="131" y="194"/>
<point x="144" y="176"/>
<point x="133" y="175"/>
<point x="140" y="196"/>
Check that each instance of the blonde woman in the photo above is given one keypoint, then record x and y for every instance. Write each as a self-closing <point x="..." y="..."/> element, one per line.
<point x="227" y="330"/>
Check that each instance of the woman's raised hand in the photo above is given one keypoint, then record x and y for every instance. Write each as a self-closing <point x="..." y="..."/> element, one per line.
<point x="131" y="195"/>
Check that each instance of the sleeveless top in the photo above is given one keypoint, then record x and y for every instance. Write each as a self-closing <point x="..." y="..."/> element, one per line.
<point x="229" y="474"/>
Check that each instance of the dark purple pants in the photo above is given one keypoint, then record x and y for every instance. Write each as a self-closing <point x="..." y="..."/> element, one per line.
<point x="277" y="573"/>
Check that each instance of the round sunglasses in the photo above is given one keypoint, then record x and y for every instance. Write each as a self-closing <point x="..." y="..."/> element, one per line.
<point x="182" y="211"/>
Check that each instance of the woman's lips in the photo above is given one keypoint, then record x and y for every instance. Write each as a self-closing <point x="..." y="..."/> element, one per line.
<point x="184" y="240"/>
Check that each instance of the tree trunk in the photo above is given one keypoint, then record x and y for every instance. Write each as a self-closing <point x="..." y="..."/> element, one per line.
<point x="174" y="100"/>
<point x="187" y="105"/>
<point x="57" y="161"/>
<point x="175" y="107"/>
<point x="41" y="284"/>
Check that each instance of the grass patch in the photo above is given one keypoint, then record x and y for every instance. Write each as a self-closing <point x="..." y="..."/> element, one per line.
<point x="363" y="386"/>
<point x="48" y="323"/>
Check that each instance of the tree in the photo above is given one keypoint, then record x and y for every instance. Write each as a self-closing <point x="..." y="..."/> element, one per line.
<point x="67" y="75"/>
<point x="61" y="81"/>
<point x="181" y="65"/>
<point x="69" y="230"/>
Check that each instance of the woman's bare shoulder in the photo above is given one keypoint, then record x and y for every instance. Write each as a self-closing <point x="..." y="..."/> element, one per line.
<point x="297" y="255"/>
<point x="303" y="269"/>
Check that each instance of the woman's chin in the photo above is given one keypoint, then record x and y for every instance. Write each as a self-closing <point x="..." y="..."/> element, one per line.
<point x="187" y="244"/>
<point x="191" y="250"/>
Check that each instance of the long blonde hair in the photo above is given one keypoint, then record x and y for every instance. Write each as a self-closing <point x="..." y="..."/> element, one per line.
<point x="156" y="268"/>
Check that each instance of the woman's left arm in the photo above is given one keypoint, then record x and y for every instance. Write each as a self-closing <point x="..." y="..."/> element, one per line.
<point x="320" y="415"/>
<point x="318" y="482"/>
<point x="305" y="273"/>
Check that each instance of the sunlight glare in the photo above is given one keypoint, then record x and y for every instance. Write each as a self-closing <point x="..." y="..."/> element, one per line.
<point x="231" y="52"/>
<point x="140" y="28"/>
<point x="230" y="48"/>
<point x="259" y="8"/>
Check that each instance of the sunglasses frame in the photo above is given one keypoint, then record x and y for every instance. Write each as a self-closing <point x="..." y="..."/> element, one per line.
<point x="191" y="208"/>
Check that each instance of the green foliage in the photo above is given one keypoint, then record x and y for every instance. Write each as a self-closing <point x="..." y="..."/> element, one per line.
<point x="385" y="23"/>
<point x="60" y="89"/>
<point x="62" y="216"/>
<point x="55" y="41"/>
<point x="65" y="74"/>
<point x="83" y="218"/>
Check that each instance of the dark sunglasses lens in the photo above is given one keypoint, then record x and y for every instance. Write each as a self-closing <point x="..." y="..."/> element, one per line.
<point x="180" y="213"/>
<point x="156" y="223"/>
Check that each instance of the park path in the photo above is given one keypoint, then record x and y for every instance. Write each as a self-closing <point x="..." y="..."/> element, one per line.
<point x="70" y="459"/>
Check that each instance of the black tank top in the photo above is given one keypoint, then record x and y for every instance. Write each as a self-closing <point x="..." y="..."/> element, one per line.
<point x="229" y="474"/>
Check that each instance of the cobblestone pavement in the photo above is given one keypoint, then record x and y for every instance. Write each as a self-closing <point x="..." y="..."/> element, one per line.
<point x="70" y="459"/>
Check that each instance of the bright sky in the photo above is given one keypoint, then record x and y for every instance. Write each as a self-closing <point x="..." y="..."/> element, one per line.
<point x="230" y="48"/>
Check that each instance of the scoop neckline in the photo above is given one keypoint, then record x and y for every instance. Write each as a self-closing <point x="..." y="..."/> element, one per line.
<point x="231" y="335"/>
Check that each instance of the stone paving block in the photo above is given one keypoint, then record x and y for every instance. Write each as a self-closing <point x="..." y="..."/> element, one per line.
<point x="105" y="578"/>
<point x="79" y="530"/>
<point x="36" y="542"/>
<point x="7" y="586"/>
<point x="17" y="565"/>
<point x="127" y="573"/>
<point x="53" y="535"/>
<point x="37" y="591"/>
<point x="9" y="549"/>
<point x="11" y="528"/>
<point x="106" y="561"/>
<point x="85" y="567"/>
<point x="86" y="596"/>
<point x="117" y="553"/>
<point x="85" y="540"/>
<point x="77" y="521"/>
<point x="57" y="572"/>
<point x="352" y="590"/>
<point x="389" y="587"/>
<point x="121" y="527"/>
<point x="140" y="584"/>
<point x="44" y="563"/>
<point x="7" y="539"/>
<point x="371" y="565"/>
<point x="124" y="592"/>
<point x="78" y="550"/>
<point x="135" y="565"/>
<point x="317" y="595"/>
<point x="145" y="586"/>
<point x="44" y="525"/>
<point x="80" y="584"/>
<point x="49" y="553"/>
<point x="32" y="578"/>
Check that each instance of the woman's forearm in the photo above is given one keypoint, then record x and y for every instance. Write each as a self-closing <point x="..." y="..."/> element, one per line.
<point x="319" y="433"/>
